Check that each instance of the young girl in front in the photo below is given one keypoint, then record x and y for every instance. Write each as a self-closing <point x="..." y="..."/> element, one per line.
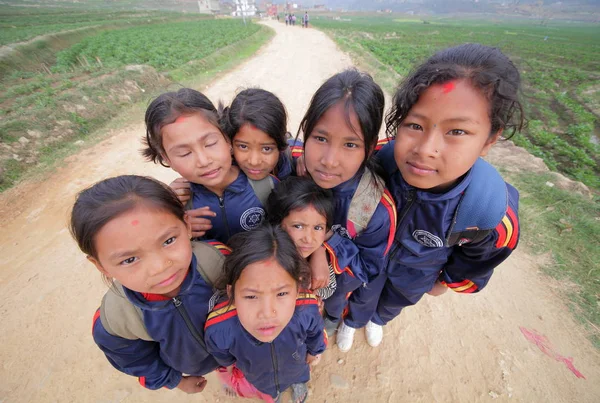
<point x="459" y="218"/>
<point x="182" y="132"/>
<point x="341" y="129"/>
<point x="267" y="325"/>
<point x="150" y="323"/>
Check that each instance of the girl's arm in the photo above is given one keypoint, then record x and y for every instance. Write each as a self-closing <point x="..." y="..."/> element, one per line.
<point x="316" y="339"/>
<point x="366" y="255"/>
<point x="138" y="358"/>
<point x="217" y="344"/>
<point x="471" y="265"/>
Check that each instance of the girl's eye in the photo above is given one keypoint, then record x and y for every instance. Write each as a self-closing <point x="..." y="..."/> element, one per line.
<point x="184" y="155"/>
<point x="267" y="149"/>
<point x="320" y="139"/>
<point x="128" y="261"/>
<point x="282" y="294"/>
<point x="169" y="241"/>
<point x="414" y="126"/>
<point x="211" y="144"/>
<point x="242" y="146"/>
<point x="298" y="226"/>
<point x="351" y="145"/>
<point x="457" y="132"/>
<point x="319" y="228"/>
<point x="250" y="297"/>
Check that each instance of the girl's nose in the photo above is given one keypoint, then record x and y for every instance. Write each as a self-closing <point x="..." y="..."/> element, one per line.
<point x="330" y="157"/>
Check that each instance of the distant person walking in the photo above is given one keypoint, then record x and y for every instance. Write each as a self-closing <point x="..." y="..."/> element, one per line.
<point x="287" y="19"/>
<point x="305" y="20"/>
<point x="293" y="19"/>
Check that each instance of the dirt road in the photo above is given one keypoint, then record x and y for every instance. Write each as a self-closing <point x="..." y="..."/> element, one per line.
<point x="486" y="347"/>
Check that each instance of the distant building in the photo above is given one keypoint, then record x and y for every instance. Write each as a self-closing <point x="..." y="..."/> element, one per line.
<point x="245" y="8"/>
<point x="208" y="6"/>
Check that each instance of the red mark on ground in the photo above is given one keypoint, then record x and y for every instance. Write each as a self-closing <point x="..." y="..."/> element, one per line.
<point x="448" y="87"/>
<point x="135" y="222"/>
<point x="543" y="344"/>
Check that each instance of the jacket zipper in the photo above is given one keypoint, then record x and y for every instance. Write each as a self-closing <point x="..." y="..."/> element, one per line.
<point x="188" y="322"/>
<point x="222" y="205"/>
<point x="410" y="201"/>
<point x="275" y="367"/>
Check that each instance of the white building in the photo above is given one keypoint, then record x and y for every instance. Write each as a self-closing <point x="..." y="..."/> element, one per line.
<point x="244" y="8"/>
<point x="208" y="6"/>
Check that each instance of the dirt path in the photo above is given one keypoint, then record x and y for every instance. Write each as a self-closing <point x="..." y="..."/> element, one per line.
<point x="450" y="349"/>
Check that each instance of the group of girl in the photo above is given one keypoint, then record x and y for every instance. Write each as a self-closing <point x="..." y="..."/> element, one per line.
<point x="312" y="236"/>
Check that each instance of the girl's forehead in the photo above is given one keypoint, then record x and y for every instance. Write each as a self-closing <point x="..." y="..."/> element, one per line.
<point x="341" y="121"/>
<point x="308" y="210"/>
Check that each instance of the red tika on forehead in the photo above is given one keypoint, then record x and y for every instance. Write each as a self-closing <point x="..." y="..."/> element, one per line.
<point x="135" y="222"/>
<point x="181" y="119"/>
<point x="448" y="87"/>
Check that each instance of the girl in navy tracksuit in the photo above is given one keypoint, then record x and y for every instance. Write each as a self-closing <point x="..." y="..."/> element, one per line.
<point x="446" y="115"/>
<point x="267" y="326"/>
<point x="183" y="132"/>
<point x="341" y="129"/>
<point x="133" y="230"/>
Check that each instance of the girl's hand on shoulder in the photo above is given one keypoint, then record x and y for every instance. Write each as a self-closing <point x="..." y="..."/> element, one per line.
<point x="313" y="360"/>
<point x="181" y="187"/>
<point x="319" y="269"/>
<point x="192" y="384"/>
<point x="197" y="221"/>
<point x="300" y="166"/>
<point x="438" y="289"/>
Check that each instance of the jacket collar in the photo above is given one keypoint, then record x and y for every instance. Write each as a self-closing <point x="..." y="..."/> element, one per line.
<point x="237" y="186"/>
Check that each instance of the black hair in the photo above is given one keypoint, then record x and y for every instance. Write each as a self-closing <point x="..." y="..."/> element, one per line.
<point x="109" y="198"/>
<point x="260" y="244"/>
<point x="260" y="108"/>
<point x="486" y="68"/>
<point x="360" y="95"/>
<point x="297" y="193"/>
<point x="164" y="110"/>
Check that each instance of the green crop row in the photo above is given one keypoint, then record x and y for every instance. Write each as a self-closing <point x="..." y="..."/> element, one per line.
<point x="163" y="46"/>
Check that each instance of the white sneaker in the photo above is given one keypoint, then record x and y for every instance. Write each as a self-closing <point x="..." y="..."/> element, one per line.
<point x="345" y="337"/>
<point x="374" y="334"/>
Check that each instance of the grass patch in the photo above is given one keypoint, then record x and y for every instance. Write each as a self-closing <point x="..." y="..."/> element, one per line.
<point x="75" y="106"/>
<point x="566" y="226"/>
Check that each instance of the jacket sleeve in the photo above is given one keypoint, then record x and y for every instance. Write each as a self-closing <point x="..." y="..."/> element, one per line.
<point x="470" y="266"/>
<point x="138" y="358"/>
<point x="316" y="338"/>
<point x="218" y="346"/>
<point x="366" y="255"/>
<point x="286" y="165"/>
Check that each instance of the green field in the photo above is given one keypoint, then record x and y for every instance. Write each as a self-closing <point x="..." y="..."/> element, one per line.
<point x="171" y="45"/>
<point x="58" y="89"/>
<point x="559" y="63"/>
<point x="19" y="24"/>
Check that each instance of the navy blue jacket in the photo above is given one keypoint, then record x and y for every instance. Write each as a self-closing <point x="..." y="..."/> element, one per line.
<point x="286" y="165"/>
<point x="239" y="209"/>
<point x="366" y="252"/>
<point x="175" y="324"/>
<point x="270" y="367"/>
<point x="425" y="220"/>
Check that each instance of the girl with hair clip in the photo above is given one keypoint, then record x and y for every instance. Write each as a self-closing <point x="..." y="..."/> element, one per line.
<point x="458" y="217"/>
<point x="340" y="131"/>
<point x="183" y="132"/>
<point x="133" y="229"/>
<point x="267" y="327"/>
